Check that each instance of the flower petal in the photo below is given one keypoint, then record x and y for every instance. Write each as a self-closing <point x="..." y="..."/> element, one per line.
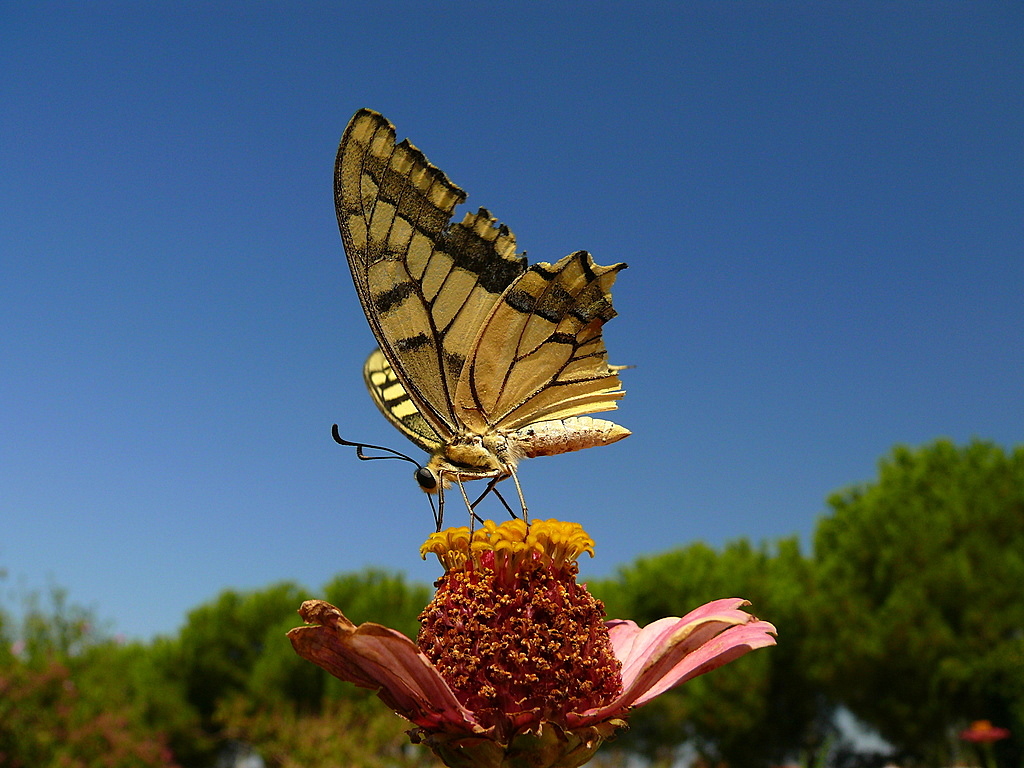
<point x="635" y="646"/>
<point x="734" y="642"/>
<point x="376" y="657"/>
<point x="673" y="650"/>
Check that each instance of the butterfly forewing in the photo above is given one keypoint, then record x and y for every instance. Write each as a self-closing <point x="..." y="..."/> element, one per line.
<point x="426" y="287"/>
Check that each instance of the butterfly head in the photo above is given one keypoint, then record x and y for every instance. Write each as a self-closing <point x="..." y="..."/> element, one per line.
<point x="426" y="479"/>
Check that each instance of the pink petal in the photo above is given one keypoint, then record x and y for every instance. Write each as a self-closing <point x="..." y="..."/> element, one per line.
<point x="635" y="647"/>
<point x="734" y="642"/>
<point x="671" y="651"/>
<point x="376" y="657"/>
<point x="629" y="641"/>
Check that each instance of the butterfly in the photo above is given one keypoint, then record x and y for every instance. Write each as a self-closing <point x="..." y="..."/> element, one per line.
<point x="482" y="360"/>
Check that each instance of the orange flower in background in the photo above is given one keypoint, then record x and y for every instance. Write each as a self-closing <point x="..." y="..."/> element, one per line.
<point x="515" y="664"/>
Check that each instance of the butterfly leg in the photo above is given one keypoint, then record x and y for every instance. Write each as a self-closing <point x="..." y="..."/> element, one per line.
<point x="491" y="486"/>
<point x="439" y="514"/>
<point x="488" y="489"/>
<point x="473" y="516"/>
<point x="519" y="490"/>
<point x="438" y="511"/>
<point x="505" y="503"/>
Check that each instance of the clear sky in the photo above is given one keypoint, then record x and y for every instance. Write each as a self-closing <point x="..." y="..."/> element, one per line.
<point x="822" y="207"/>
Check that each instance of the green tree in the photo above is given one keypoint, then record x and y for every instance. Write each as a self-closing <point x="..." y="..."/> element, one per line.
<point x="279" y="674"/>
<point x="71" y="698"/>
<point x="354" y="734"/>
<point x="293" y="712"/>
<point x="920" y="624"/>
<point x="132" y="678"/>
<point x="233" y="649"/>
<point x="223" y="641"/>
<point x="55" y="628"/>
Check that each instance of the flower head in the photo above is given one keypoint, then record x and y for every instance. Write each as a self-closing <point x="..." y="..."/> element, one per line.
<point x="510" y="630"/>
<point x="515" y="664"/>
<point x="982" y="731"/>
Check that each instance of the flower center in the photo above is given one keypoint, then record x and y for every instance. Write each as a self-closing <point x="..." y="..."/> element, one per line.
<point x="510" y="630"/>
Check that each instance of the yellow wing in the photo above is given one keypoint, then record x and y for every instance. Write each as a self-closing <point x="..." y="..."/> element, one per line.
<point x="396" y="405"/>
<point x="539" y="355"/>
<point x="426" y="286"/>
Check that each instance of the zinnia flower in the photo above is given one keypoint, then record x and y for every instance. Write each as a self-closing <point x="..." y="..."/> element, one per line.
<point x="984" y="734"/>
<point x="982" y="731"/>
<point x="515" y="664"/>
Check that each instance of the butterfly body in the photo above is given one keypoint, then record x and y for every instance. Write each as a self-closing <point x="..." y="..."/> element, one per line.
<point x="474" y="457"/>
<point x="483" y="360"/>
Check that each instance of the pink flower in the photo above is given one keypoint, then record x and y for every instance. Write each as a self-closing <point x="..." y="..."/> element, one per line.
<point x="514" y="660"/>
<point x="982" y="731"/>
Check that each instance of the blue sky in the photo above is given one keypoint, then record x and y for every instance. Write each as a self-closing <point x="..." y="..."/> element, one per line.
<point x="822" y="207"/>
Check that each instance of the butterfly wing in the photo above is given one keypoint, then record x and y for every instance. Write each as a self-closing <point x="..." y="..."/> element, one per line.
<point x="396" y="405"/>
<point x="540" y="354"/>
<point x="426" y="285"/>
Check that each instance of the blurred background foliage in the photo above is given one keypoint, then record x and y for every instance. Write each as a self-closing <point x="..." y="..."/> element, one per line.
<point x="907" y="614"/>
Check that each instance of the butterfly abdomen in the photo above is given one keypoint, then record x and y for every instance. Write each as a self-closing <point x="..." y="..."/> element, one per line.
<point x="547" y="438"/>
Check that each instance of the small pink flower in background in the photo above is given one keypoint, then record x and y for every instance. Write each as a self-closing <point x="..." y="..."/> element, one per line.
<point x="984" y="734"/>
<point x="515" y="664"/>
<point x="982" y="731"/>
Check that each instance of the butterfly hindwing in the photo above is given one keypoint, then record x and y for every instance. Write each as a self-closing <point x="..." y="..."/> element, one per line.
<point x="394" y="402"/>
<point x="540" y="354"/>
<point x="426" y="286"/>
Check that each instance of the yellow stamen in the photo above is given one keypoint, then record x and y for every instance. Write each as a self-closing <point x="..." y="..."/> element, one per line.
<point x="552" y="542"/>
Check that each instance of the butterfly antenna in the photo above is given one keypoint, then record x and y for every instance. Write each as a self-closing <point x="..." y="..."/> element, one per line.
<point x="360" y="446"/>
<point x="437" y="512"/>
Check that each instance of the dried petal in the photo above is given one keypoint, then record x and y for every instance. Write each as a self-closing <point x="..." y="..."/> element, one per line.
<point x="376" y="657"/>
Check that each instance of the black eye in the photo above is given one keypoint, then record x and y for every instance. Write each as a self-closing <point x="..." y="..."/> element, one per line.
<point x="426" y="479"/>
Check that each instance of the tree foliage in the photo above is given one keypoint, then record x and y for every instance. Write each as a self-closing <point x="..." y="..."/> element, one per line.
<point x="920" y="623"/>
<point x="345" y="732"/>
<point x="223" y="641"/>
<point x="234" y="648"/>
<point x="71" y="698"/>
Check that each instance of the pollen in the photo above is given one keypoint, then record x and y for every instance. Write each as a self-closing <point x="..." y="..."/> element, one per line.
<point x="512" y="632"/>
<point x="507" y="546"/>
